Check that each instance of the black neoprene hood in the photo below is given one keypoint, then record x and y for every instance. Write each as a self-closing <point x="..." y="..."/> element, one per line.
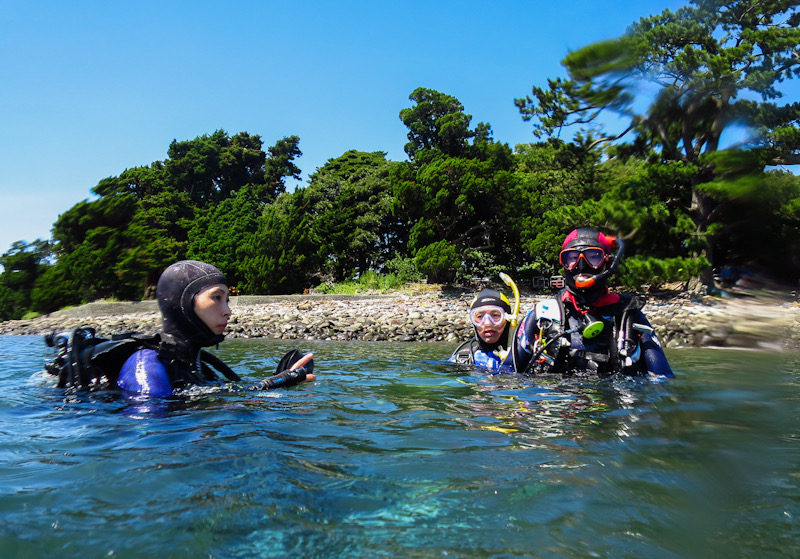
<point x="177" y="288"/>
<point x="490" y="297"/>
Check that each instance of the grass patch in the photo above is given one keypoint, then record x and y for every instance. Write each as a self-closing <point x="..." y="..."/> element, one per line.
<point x="369" y="282"/>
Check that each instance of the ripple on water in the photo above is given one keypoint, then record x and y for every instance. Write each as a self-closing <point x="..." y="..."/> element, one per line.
<point x="393" y="453"/>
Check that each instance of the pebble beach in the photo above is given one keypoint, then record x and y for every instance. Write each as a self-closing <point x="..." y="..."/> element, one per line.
<point x="683" y="320"/>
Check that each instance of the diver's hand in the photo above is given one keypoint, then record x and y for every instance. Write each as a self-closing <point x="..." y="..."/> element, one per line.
<point x="285" y="379"/>
<point x="305" y="366"/>
<point x="300" y="371"/>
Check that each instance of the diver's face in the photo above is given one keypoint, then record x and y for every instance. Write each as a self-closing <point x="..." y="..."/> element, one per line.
<point x="490" y="333"/>
<point x="211" y="306"/>
<point x="489" y="322"/>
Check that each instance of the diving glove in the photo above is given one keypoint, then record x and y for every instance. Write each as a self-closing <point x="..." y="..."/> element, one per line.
<point x="292" y="369"/>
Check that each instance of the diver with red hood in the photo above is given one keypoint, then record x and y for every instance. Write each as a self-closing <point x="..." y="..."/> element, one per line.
<point x="193" y="299"/>
<point x="587" y="328"/>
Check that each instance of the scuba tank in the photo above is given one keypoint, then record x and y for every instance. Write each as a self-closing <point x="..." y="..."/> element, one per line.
<point x="82" y="358"/>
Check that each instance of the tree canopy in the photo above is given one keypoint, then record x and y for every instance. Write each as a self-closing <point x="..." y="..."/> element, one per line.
<point x="455" y="189"/>
<point x="201" y="201"/>
<point x="350" y="200"/>
<point x="22" y="265"/>
<point x="683" y="80"/>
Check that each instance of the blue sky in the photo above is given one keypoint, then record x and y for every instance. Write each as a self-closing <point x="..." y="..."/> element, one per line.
<point x="91" y="88"/>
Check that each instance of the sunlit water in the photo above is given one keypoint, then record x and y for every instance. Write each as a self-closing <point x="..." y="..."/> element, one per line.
<point x="392" y="453"/>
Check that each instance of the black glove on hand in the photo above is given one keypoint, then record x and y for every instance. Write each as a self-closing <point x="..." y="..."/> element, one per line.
<point x="285" y="375"/>
<point x="286" y="378"/>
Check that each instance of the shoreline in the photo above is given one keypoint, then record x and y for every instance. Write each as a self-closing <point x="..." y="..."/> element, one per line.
<point x="685" y="320"/>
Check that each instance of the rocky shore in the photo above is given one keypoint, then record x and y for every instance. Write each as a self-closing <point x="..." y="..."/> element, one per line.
<point x="769" y="323"/>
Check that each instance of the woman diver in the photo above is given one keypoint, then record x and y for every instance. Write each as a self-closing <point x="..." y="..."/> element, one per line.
<point x="193" y="298"/>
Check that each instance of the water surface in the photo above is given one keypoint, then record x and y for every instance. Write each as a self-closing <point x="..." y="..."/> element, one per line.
<point x="392" y="453"/>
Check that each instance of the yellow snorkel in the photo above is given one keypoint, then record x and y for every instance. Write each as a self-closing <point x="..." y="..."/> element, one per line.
<point x="515" y="309"/>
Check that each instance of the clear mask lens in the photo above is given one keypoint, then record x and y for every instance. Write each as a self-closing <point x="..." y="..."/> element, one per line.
<point x="593" y="256"/>
<point x="489" y="315"/>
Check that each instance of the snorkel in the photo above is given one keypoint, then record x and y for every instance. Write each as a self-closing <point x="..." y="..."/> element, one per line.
<point x="515" y="310"/>
<point x="591" y="281"/>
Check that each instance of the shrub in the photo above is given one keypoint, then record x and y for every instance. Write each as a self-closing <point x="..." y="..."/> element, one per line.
<point x="637" y="271"/>
<point x="405" y="269"/>
<point x="438" y="261"/>
<point x="369" y="281"/>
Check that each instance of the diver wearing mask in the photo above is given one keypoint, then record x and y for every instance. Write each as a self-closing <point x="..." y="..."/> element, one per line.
<point x="587" y="329"/>
<point x="491" y="318"/>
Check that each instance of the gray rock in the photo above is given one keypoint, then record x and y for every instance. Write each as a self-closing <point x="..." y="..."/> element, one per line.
<point x="680" y="322"/>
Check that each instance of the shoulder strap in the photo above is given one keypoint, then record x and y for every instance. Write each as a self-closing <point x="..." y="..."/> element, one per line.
<point x="217" y="363"/>
<point x="629" y="302"/>
<point x="455" y="357"/>
<point x="183" y="366"/>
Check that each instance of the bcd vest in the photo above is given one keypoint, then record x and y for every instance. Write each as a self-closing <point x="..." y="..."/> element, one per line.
<point x="566" y="345"/>
<point x="82" y="358"/>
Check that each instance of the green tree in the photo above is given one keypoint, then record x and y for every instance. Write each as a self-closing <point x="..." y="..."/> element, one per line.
<point x="22" y="265"/>
<point x="89" y="239"/>
<point x="142" y="182"/>
<point x="157" y="236"/>
<point x="281" y="256"/>
<point x="436" y="123"/>
<point x="156" y="231"/>
<point x="759" y="223"/>
<point x="279" y="166"/>
<point x="550" y="175"/>
<point x="710" y="67"/>
<point x="220" y="236"/>
<point x="457" y="186"/>
<point x="56" y="288"/>
<point x="118" y="244"/>
<point x="210" y="168"/>
<point x="350" y="198"/>
<point x="439" y="261"/>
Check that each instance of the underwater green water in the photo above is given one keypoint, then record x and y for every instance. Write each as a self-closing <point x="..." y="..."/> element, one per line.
<point x="393" y="453"/>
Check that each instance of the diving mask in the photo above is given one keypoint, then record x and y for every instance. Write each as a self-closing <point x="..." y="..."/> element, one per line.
<point x="593" y="256"/>
<point x="488" y="314"/>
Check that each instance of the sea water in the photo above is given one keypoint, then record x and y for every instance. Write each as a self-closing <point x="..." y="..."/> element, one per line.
<point x="394" y="453"/>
